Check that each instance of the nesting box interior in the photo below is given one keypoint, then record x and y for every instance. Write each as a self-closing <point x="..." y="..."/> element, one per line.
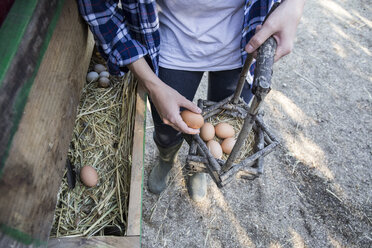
<point x="46" y="54"/>
<point x="102" y="140"/>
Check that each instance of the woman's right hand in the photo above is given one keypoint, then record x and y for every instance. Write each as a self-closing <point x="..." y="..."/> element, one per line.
<point x="168" y="103"/>
<point x="166" y="100"/>
<point x="282" y="25"/>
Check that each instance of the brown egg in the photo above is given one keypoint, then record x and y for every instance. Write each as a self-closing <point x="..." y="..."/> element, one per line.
<point x="192" y="119"/>
<point x="99" y="68"/>
<point x="228" y="144"/>
<point x="215" y="148"/>
<point x="89" y="176"/>
<point x="224" y="130"/>
<point x="207" y="131"/>
<point x="104" y="82"/>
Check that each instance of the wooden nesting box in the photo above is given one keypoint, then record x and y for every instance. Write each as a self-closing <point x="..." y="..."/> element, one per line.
<point x="45" y="51"/>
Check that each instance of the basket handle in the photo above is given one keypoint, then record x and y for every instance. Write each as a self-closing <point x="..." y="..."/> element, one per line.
<point x="248" y="62"/>
<point x="260" y="88"/>
<point x="264" y="68"/>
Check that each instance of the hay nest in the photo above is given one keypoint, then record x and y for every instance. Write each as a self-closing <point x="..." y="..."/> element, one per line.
<point x="102" y="138"/>
<point x="237" y="124"/>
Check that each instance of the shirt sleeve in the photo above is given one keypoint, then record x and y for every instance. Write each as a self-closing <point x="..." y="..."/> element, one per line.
<point x="107" y="23"/>
<point x="254" y="14"/>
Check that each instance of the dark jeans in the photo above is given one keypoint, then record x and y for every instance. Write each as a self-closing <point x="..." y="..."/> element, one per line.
<point x="221" y="84"/>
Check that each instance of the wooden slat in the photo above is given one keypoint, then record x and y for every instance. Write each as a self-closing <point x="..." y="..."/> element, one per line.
<point x="104" y="241"/>
<point x="135" y="195"/>
<point x="7" y="242"/>
<point x="24" y="37"/>
<point x="22" y="16"/>
<point x="33" y="171"/>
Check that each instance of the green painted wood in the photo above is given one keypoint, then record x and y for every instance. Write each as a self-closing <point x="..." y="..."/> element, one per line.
<point x="33" y="170"/>
<point x="22" y="61"/>
<point x="12" y="32"/>
<point x="9" y="235"/>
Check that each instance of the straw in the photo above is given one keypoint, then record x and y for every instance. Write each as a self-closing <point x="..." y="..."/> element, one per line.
<point x="236" y="123"/>
<point x="102" y="138"/>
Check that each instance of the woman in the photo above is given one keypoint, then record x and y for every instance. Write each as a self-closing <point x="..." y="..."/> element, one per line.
<point x="169" y="59"/>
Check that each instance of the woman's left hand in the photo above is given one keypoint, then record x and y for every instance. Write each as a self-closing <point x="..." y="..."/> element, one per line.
<point x="282" y="25"/>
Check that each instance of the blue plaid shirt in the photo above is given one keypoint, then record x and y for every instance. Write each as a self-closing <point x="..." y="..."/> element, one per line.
<point x="123" y="35"/>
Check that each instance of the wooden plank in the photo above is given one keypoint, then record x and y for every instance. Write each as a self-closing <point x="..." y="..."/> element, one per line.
<point x="135" y="195"/>
<point x="96" y="241"/>
<point x="13" y="31"/>
<point x="33" y="170"/>
<point x="19" y="242"/>
<point x="25" y="35"/>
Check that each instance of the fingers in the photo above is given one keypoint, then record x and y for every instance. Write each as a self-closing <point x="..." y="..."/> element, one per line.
<point x="254" y="54"/>
<point x="262" y="34"/>
<point x="169" y="111"/>
<point x="183" y="127"/>
<point x="178" y="124"/>
<point x="284" y="47"/>
<point x="189" y="105"/>
<point x="258" y="28"/>
<point x="169" y="123"/>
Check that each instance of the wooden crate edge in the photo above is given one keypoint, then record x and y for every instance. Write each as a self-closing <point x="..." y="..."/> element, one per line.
<point x="135" y="195"/>
<point x="33" y="170"/>
<point x="96" y="241"/>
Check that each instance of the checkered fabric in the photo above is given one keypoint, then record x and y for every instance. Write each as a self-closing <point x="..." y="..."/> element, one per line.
<point x="129" y="30"/>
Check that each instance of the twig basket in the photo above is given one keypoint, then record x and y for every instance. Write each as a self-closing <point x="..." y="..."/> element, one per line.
<point x="222" y="171"/>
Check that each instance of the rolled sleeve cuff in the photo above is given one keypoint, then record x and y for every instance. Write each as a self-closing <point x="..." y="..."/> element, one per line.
<point x="123" y="54"/>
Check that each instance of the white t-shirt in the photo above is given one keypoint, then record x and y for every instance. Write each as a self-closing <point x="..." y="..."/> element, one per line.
<point x="200" y="35"/>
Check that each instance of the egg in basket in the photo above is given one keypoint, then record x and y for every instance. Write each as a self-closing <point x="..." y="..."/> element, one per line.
<point x="233" y="136"/>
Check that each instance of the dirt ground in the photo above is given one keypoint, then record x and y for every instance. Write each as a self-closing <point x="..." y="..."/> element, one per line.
<point x="316" y="189"/>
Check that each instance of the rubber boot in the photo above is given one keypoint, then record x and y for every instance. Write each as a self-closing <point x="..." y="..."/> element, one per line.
<point x="159" y="175"/>
<point x="197" y="186"/>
